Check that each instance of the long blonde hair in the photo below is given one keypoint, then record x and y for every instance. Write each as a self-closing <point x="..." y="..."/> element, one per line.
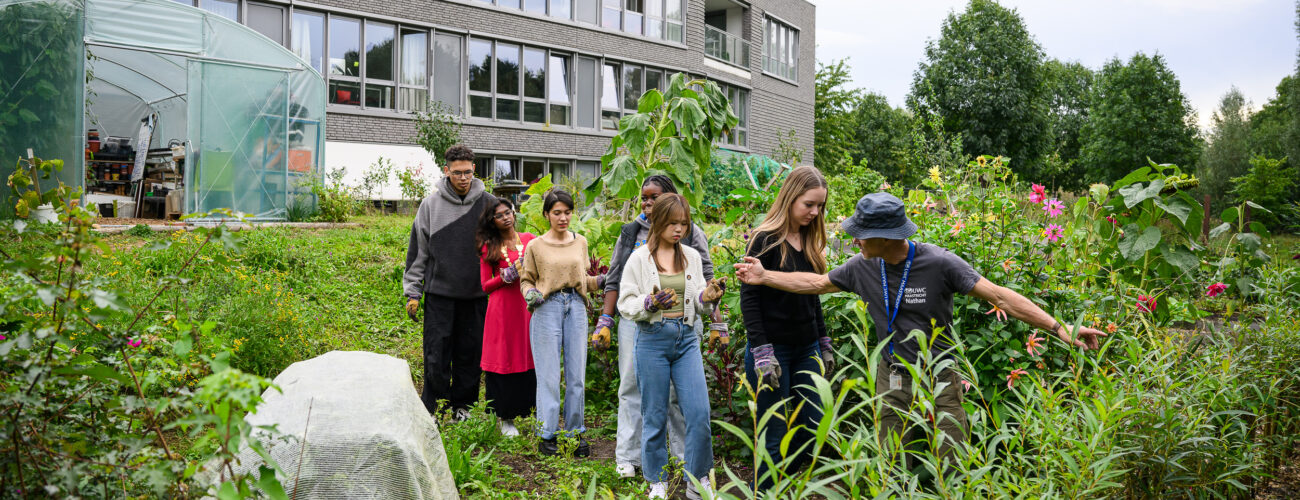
<point x="777" y="222"/>
<point x="668" y="206"/>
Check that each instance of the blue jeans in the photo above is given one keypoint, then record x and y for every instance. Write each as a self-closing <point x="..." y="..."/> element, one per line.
<point x="558" y="333"/>
<point x="798" y="363"/>
<point x="668" y="354"/>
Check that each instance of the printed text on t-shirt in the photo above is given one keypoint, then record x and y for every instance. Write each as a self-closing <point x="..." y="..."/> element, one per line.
<point x="914" y="295"/>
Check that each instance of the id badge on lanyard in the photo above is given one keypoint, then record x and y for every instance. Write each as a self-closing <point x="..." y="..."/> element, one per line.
<point x="898" y="301"/>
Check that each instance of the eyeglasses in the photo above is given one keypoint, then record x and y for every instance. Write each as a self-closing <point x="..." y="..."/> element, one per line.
<point x="464" y="174"/>
<point x="503" y="215"/>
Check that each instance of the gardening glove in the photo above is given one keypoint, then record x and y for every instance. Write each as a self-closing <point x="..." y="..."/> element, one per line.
<point x="713" y="291"/>
<point x="533" y="298"/>
<point x="661" y="299"/>
<point x="600" y="337"/>
<point x="510" y="273"/>
<point x="718" y="335"/>
<point x="766" y="366"/>
<point x="413" y="309"/>
<point x="828" y="356"/>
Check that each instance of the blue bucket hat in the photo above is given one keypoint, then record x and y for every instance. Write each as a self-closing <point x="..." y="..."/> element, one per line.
<point x="879" y="215"/>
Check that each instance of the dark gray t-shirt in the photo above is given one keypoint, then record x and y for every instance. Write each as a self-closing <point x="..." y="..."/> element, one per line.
<point x="936" y="274"/>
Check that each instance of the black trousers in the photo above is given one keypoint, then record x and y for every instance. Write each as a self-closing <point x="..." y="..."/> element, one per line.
<point x="453" y="346"/>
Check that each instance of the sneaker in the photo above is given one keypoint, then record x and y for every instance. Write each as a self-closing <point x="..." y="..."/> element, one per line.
<point x="460" y="415"/>
<point x="659" y="490"/>
<point x="583" y="449"/>
<point x="626" y="470"/>
<point x="508" y="428"/>
<point x="693" y="494"/>
<point x="548" y="447"/>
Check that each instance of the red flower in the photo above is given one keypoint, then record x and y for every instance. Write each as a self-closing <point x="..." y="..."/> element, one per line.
<point x="1146" y="304"/>
<point x="1040" y="194"/>
<point x="1215" y="289"/>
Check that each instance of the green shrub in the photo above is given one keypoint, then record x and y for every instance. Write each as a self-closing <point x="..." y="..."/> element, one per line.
<point x="336" y="202"/>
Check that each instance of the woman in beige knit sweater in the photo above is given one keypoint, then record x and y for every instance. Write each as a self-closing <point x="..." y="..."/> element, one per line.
<point x="555" y="281"/>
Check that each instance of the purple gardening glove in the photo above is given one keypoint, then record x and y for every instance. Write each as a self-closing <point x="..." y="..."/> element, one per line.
<point x="828" y="356"/>
<point x="510" y="273"/>
<point x="718" y="335"/>
<point x="600" y="338"/>
<point x="766" y="366"/>
<point x="660" y="300"/>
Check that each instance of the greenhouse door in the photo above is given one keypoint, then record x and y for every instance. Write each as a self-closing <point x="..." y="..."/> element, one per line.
<point x="238" y="128"/>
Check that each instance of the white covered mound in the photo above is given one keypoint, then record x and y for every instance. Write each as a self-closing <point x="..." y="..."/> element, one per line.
<point x="369" y="434"/>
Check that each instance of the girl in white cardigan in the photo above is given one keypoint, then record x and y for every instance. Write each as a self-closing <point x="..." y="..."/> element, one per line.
<point x="663" y="289"/>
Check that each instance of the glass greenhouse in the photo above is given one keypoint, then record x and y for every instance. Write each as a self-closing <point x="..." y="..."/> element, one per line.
<point x="233" y="119"/>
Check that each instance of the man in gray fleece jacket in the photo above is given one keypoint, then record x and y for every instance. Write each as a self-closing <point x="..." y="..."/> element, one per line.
<point x="442" y="266"/>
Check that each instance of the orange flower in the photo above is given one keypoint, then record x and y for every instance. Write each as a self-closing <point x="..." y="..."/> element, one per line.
<point x="1035" y="343"/>
<point x="1014" y="376"/>
<point x="1111" y="327"/>
<point x="1006" y="264"/>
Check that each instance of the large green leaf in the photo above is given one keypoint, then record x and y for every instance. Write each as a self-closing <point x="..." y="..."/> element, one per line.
<point x="1138" y="193"/>
<point x="1249" y="241"/>
<point x="1134" y="246"/>
<point x="1139" y="175"/>
<point x="1229" y="215"/>
<point x="1219" y="230"/>
<point x="1180" y="257"/>
<point x="1175" y="207"/>
<point x="650" y="101"/>
<point x="635" y="129"/>
<point x="686" y="112"/>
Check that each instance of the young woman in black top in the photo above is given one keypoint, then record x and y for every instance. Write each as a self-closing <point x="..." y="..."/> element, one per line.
<point x="787" y="335"/>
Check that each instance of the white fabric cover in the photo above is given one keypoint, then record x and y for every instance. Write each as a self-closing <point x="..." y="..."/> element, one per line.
<point x="369" y="434"/>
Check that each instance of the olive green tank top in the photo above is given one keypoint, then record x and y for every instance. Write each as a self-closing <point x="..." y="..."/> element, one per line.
<point x="676" y="282"/>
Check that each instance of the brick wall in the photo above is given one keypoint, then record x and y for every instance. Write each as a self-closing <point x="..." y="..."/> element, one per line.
<point x="776" y="105"/>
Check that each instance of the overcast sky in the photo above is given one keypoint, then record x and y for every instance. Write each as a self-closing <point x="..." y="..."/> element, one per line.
<point x="1211" y="45"/>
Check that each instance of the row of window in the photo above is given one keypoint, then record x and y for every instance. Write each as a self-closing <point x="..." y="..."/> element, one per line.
<point x="659" y="19"/>
<point x="530" y="170"/>
<point x="652" y="18"/>
<point x="379" y="65"/>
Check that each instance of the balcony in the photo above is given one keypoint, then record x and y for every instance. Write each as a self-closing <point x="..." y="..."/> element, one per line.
<point x="726" y="47"/>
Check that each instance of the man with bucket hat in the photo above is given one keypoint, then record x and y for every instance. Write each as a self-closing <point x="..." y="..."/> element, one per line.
<point x="908" y="286"/>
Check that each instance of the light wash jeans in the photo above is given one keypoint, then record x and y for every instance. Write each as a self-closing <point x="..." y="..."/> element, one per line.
<point x="558" y="333"/>
<point x="627" y="448"/>
<point x="668" y="353"/>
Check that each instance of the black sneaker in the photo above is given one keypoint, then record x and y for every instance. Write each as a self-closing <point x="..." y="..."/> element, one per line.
<point x="548" y="447"/>
<point x="583" y="450"/>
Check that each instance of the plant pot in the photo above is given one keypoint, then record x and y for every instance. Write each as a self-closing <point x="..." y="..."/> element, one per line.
<point x="43" y="214"/>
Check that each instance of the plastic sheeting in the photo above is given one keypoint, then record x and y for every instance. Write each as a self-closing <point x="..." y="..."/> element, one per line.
<point x="250" y="112"/>
<point x="368" y="435"/>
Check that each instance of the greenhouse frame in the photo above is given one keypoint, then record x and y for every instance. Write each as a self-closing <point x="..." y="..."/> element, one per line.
<point x="231" y="118"/>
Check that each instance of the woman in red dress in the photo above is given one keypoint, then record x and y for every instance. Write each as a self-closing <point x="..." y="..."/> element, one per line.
<point x="507" y="354"/>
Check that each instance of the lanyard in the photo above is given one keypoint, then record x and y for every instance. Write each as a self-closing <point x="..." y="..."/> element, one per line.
<point x="902" y="286"/>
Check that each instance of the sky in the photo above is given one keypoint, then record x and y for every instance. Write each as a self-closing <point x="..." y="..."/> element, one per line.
<point x="1210" y="45"/>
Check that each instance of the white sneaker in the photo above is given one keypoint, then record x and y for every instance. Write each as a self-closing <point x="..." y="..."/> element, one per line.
<point x="626" y="470"/>
<point x="461" y="415"/>
<point x="508" y="428"/>
<point x="659" y="490"/>
<point x="692" y="494"/>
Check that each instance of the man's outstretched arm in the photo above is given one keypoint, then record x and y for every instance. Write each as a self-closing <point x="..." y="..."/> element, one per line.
<point x="1023" y="309"/>
<point x="751" y="272"/>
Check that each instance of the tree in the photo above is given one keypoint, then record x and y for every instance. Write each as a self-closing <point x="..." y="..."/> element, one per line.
<point x="1069" y="87"/>
<point x="832" y="115"/>
<point x="983" y="77"/>
<point x="1227" y="155"/>
<point x="1270" y="127"/>
<point x="1267" y="182"/>
<point x="1138" y="112"/>
<point x="436" y="129"/>
<point x="880" y="133"/>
